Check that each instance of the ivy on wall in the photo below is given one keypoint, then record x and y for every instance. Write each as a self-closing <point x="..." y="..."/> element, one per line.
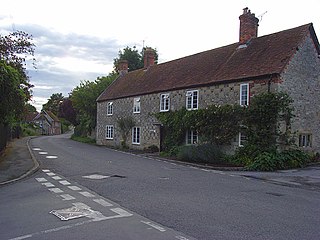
<point x="218" y="125"/>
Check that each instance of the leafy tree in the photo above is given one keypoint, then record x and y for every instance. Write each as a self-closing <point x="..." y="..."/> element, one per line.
<point x="15" y="88"/>
<point x="134" y="58"/>
<point x="84" y="98"/>
<point x="53" y="103"/>
<point x="67" y="111"/>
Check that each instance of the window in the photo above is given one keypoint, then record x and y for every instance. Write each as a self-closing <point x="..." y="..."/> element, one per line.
<point x="305" y="140"/>
<point x="242" y="139"/>
<point x="110" y="108"/>
<point x="136" y="135"/>
<point x="136" y="105"/>
<point x="191" y="137"/>
<point x="244" y="94"/>
<point x="109" y="132"/>
<point x="164" y="102"/>
<point x="192" y="100"/>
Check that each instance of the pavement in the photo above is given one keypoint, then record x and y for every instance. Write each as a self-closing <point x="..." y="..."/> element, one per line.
<point x="18" y="162"/>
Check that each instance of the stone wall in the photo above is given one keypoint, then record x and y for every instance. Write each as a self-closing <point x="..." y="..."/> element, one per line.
<point x="150" y="104"/>
<point x="301" y="79"/>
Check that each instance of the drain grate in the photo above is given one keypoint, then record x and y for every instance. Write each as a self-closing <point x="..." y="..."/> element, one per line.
<point x="70" y="213"/>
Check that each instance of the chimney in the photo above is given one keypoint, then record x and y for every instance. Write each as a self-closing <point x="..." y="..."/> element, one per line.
<point x="248" y="26"/>
<point x="148" y="57"/>
<point x="123" y="67"/>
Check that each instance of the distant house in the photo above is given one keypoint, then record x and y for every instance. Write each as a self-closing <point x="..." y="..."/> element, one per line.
<point x="48" y="122"/>
<point x="284" y="61"/>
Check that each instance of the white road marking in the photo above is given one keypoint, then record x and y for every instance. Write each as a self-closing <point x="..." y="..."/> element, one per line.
<point x="41" y="179"/>
<point x="155" y="226"/>
<point x="67" y="197"/>
<point x="51" y="174"/>
<point x="45" y="170"/>
<point x="205" y="170"/>
<point x="48" y="184"/>
<point x="55" y="190"/>
<point x="182" y="238"/>
<point x="102" y="202"/>
<point x="51" y="157"/>
<point x="22" y="237"/>
<point x="86" y="194"/>
<point x="96" y="176"/>
<point x="121" y="212"/>
<point x="36" y="149"/>
<point x="43" y="153"/>
<point x="56" y="178"/>
<point x="74" y="188"/>
<point x="64" y="182"/>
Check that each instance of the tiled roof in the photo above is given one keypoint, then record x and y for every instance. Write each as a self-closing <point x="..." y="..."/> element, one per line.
<point x="263" y="56"/>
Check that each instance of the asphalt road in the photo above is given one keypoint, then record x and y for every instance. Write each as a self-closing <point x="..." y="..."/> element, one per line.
<point x="158" y="199"/>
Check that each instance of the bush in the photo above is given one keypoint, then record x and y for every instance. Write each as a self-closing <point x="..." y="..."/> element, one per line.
<point x="270" y="161"/>
<point x="83" y="139"/>
<point x="206" y="153"/>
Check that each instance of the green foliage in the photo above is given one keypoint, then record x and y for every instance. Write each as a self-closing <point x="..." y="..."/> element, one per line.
<point x="205" y="153"/>
<point x="15" y="89"/>
<point x="53" y="103"/>
<point x="216" y="124"/>
<point x="273" y="160"/>
<point x="29" y="129"/>
<point x="134" y="58"/>
<point x="84" y="98"/>
<point x="83" y="139"/>
<point x="125" y="125"/>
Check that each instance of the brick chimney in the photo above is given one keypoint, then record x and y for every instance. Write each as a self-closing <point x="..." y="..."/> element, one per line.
<point x="148" y="57"/>
<point x="248" y="26"/>
<point x="123" y="67"/>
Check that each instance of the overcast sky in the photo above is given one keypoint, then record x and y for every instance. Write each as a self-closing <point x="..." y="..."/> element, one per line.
<point x="78" y="39"/>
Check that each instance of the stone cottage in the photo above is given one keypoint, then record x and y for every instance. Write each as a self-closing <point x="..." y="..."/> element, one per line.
<point x="284" y="61"/>
<point x="48" y="122"/>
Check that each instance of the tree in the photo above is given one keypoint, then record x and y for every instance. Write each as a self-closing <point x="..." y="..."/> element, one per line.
<point x="53" y="103"/>
<point x="67" y="111"/>
<point x="84" y="98"/>
<point x="134" y="58"/>
<point x="15" y="88"/>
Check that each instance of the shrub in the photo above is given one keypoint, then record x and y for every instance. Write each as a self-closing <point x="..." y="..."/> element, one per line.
<point x="205" y="153"/>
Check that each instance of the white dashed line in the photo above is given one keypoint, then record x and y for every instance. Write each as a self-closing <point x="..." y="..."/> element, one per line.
<point x="155" y="226"/>
<point x="51" y="174"/>
<point x="36" y="149"/>
<point x="74" y="188"/>
<point x="121" y="212"/>
<point x="41" y="180"/>
<point x="103" y="202"/>
<point x="67" y="197"/>
<point x="51" y="157"/>
<point x="205" y="170"/>
<point x="86" y="194"/>
<point x="65" y="183"/>
<point x="55" y="190"/>
<point x="45" y="170"/>
<point x="56" y="178"/>
<point x="48" y="184"/>
<point x="43" y="153"/>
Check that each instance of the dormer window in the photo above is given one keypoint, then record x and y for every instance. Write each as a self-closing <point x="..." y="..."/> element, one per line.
<point x="110" y="108"/>
<point x="136" y="105"/>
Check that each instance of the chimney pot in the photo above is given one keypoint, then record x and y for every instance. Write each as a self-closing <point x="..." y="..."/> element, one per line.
<point x="248" y="26"/>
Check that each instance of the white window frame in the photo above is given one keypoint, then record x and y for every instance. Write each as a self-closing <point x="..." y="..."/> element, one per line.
<point x="305" y="140"/>
<point x="244" y="100"/>
<point x="136" y="135"/>
<point x="109" y="132"/>
<point x="164" y="102"/>
<point x="136" y="105"/>
<point x="193" y="136"/>
<point x="109" y="108"/>
<point x="242" y="139"/>
<point x="190" y="95"/>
